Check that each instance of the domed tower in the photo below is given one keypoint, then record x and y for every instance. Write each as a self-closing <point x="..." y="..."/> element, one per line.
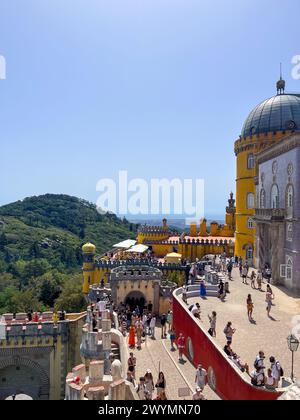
<point x="268" y="123"/>
<point x="89" y="251"/>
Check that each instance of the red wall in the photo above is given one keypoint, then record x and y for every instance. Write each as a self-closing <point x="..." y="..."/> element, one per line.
<point x="230" y="385"/>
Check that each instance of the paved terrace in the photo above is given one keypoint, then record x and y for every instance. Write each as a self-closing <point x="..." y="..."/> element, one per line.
<point x="268" y="334"/>
<point x="155" y="355"/>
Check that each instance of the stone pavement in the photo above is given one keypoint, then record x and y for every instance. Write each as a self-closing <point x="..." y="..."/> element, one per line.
<point x="268" y="334"/>
<point x="155" y="355"/>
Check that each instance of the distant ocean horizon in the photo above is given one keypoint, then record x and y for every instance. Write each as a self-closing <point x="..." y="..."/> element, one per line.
<point x="173" y="222"/>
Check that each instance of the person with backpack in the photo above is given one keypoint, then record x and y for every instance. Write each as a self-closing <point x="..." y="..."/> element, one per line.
<point x="229" y="331"/>
<point x="277" y="371"/>
<point x="259" y="360"/>
<point x="258" y="377"/>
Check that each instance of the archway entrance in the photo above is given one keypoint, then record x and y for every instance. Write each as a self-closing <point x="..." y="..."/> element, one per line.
<point x="134" y="299"/>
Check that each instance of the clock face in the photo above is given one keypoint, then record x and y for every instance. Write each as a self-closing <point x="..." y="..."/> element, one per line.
<point x="274" y="167"/>
<point x="290" y="169"/>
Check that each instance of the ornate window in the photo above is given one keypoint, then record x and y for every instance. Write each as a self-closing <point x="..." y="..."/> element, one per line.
<point x="250" y="223"/>
<point x="289" y="268"/>
<point x="250" y="161"/>
<point x="249" y="253"/>
<point x="290" y="196"/>
<point x="289" y="232"/>
<point x="274" y="197"/>
<point x="250" y="201"/>
<point x="262" y="199"/>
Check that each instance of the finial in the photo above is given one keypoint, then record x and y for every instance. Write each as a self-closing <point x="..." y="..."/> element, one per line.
<point x="281" y="83"/>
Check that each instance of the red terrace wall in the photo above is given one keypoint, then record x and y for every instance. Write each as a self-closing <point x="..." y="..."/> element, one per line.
<point x="229" y="384"/>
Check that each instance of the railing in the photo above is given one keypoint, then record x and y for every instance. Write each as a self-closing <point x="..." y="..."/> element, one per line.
<point x="270" y="214"/>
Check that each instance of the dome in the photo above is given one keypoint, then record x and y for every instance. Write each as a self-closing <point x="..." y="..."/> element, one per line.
<point x="89" y="248"/>
<point x="279" y="113"/>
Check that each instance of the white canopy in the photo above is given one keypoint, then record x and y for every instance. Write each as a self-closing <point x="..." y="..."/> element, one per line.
<point x="125" y="244"/>
<point x="139" y="249"/>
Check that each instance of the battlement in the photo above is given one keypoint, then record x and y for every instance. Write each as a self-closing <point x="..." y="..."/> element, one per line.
<point x="33" y="329"/>
<point x="110" y="265"/>
<point x="131" y="273"/>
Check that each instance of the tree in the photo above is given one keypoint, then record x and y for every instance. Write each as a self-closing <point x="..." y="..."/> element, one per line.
<point x="71" y="298"/>
<point x="3" y="242"/>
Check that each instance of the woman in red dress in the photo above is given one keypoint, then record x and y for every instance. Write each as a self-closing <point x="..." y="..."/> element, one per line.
<point x="131" y="340"/>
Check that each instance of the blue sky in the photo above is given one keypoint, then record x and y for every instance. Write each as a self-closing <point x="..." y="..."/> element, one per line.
<point x="156" y="87"/>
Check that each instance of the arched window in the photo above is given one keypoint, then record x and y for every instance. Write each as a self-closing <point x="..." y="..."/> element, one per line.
<point x="250" y="161"/>
<point x="250" y="201"/>
<point x="289" y="268"/>
<point x="274" y="197"/>
<point x="262" y="199"/>
<point x="290" y="196"/>
<point x="289" y="232"/>
<point x="250" y="223"/>
<point x="249" y="253"/>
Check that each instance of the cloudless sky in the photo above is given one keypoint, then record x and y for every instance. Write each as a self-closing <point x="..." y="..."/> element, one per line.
<point x="160" y="88"/>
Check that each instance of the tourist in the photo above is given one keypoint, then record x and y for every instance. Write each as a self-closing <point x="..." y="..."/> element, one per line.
<point x="141" y="389"/>
<point x="184" y="294"/>
<point x="130" y="378"/>
<point x="240" y="268"/>
<point x="200" y="378"/>
<point x="29" y="315"/>
<point x="198" y="394"/>
<point x="35" y="317"/>
<point x="148" y="324"/>
<point x="152" y="327"/>
<point x="131" y="339"/>
<point x="236" y="261"/>
<point x="139" y="333"/>
<point x="221" y="290"/>
<point x="181" y="346"/>
<point x="258" y="377"/>
<point x="170" y="320"/>
<point x="196" y="310"/>
<point x="55" y="317"/>
<point x="252" y="278"/>
<point x="163" y="323"/>
<point x="276" y="370"/>
<point x="94" y="323"/>
<point x="124" y="326"/>
<point x="187" y="273"/>
<point x="250" y="307"/>
<point x="270" y="381"/>
<point x="259" y="360"/>
<point x="193" y="273"/>
<point x="160" y="384"/>
<point x="132" y="364"/>
<point x="244" y="274"/>
<point x="229" y="269"/>
<point x="212" y="323"/>
<point x="145" y="324"/>
<point x="202" y="289"/>
<point x="237" y="361"/>
<point x="172" y="339"/>
<point x="229" y="331"/>
<point x="149" y="383"/>
<point x="269" y="290"/>
<point x="269" y="298"/>
<point x="259" y="279"/>
<point x="228" y="350"/>
<point x="268" y="274"/>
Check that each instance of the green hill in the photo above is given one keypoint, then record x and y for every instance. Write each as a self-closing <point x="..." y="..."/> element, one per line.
<point x="40" y="244"/>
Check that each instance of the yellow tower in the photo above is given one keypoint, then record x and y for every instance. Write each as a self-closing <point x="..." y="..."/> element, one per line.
<point x="89" y="251"/>
<point x="267" y="124"/>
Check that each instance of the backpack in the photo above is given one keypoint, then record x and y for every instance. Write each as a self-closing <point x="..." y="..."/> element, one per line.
<point x="256" y="363"/>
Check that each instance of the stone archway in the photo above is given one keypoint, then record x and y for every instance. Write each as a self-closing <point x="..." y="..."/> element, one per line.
<point x="134" y="299"/>
<point x="21" y="375"/>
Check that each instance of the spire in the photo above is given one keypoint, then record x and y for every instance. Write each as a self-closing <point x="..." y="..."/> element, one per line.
<point x="281" y="83"/>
